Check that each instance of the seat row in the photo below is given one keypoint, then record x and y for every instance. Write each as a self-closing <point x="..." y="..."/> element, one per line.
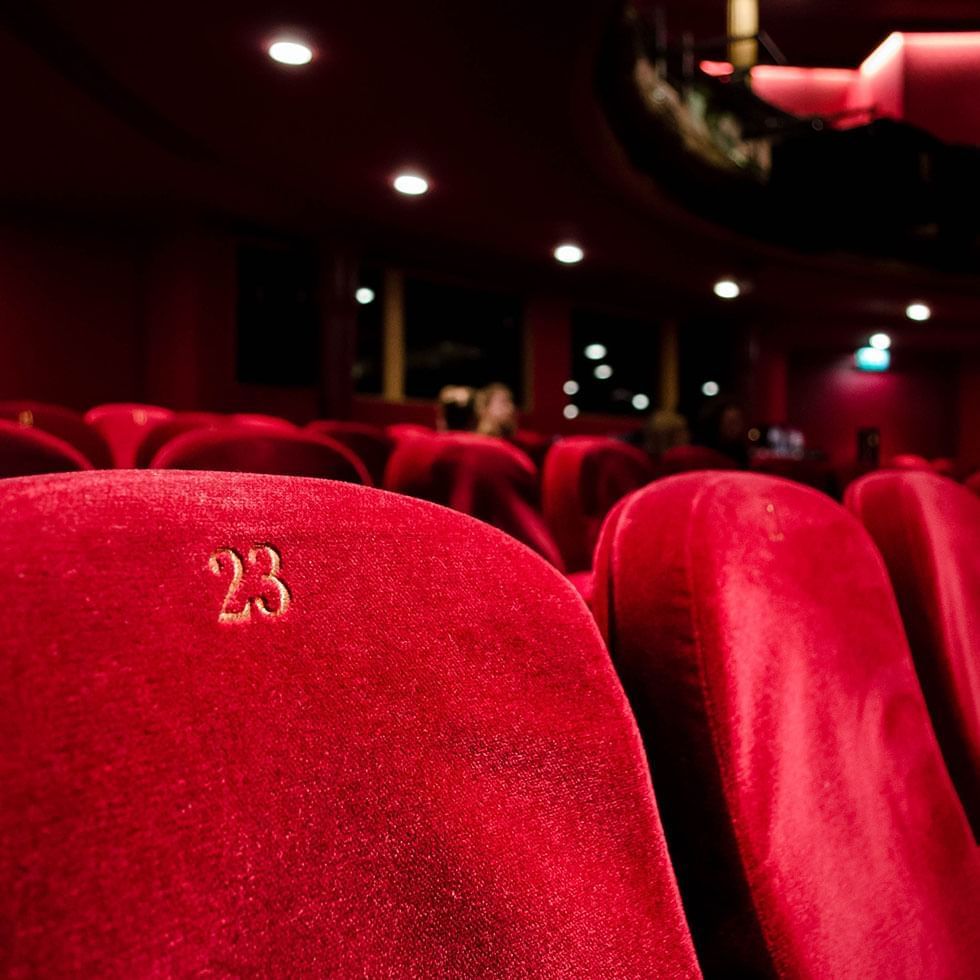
<point x="270" y="725"/>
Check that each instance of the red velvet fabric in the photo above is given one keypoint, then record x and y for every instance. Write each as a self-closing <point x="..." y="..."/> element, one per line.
<point x="257" y="418"/>
<point x="163" y="433"/>
<point x="25" y="451"/>
<point x="909" y="461"/>
<point x="927" y="529"/>
<point x="424" y="767"/>
<point x="370" y="443"/>
<point x="973" y="483"/>
<point x="811" y="820"/>
<point x="482" y="476"/>
<point x="583" y="477"/>
<point x="945" y="466"/>
<point x="686" y="459"/>
<point x="407" y="430"/>
<point x="535" y="444"/>
<point x="125" y="426"/>
<point x="261" y="449"/>
<point x="65" y="424"/>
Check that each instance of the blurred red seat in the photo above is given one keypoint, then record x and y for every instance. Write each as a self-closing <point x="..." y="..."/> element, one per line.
<point x="257" y="418"/>
<point x="535" y="444"/>
<point x="583" y="478"/>
<point x="482" y="476"/>
<point x="811" y="820"/>
<point x="124" y="426"/>
<point x="167" y="431"/>
<point x="25" y="451"/>
<point x="261" y="449"/>
<point x="927" y="529"/>
<point x="686" y="459"/>
<point x="408" y="430"/>
<point x="973" y="483"/>
<point x="371" y="444"/>
<point x="909" y="461"/>
<point x="64" y="423"/>
<point x="945" y="466"/>
<point x="813" y="472"/>
<point x="263" y="728"/>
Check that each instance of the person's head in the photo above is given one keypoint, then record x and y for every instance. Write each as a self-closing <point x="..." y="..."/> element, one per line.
<point x="665" y="430"/>
<point x="456" y="409"/>
<point x="496" y="413"/>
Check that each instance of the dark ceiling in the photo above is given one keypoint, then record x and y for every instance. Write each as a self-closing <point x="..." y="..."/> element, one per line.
<point x="134" y="111"/>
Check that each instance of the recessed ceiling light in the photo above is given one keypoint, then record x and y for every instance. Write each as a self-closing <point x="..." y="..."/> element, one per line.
<point x="641" y="402"/>
<point x="411" y="184"/>
<point x="570" y="388"/>
<point x="569" y="254"/>
<point x="880" y="341"/>
<point x="727" y="289"/>
<point x="570" y="412"/>
<point x="710" y="388"/>
<point x="595" y="352"/>
<point x="918" y="311"/>
<point x="364" y="295"/>
<point x="290" y="52"/>
<point x="603" y="372"/>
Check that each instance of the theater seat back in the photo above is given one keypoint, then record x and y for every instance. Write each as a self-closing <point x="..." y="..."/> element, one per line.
<point x="371" y="444"/>
<point x="25" y="451"/>
<point x="261" y="449"/>
<point x="482" y="476"/>
<point x="265" y="726"/>
<point x="65" y="424"/>
<point x="687" y="459"/>
<point x="811" y="820"/>
<point x="583" y="478"/>
<point x="927" y="529"/>
<point x="124" y="426"/>
<point x="161" y="434"/>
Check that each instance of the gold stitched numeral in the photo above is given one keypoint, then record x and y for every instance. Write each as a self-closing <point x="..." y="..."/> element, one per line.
<point x="238" y="604"/>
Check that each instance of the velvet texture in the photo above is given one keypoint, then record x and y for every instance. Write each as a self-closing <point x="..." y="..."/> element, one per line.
<point x="535" y="444"/>
<point x="909" y="461"/>
<point x="125" y="426"/>
<point x="25" y="451"/>
<point x="371" y="444"/>
<point x="65" y="424"/>
<point x="248" y="448"/>
<point x="482" y="476"/>
<point x="687" y="459"/>
<point x="583" y="477"/>
<point x="163" y="433"/>
<point x="973" y="483"/>
<point x="811" y="820"/>
<point x="927" y="529"/>
<point x="422" y="766"/>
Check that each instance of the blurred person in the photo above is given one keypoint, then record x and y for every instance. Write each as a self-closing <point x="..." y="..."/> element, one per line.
<point x="496" y="413"/>
<point x="721" y="426"/>
<point x="456" y="412"/>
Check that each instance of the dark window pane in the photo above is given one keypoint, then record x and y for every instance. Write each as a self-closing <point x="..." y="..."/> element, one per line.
<point x="458" y="335"/>
<point x="368" y="368"/>
<point x="278" y="324"/>
<point x="615" y="363"/>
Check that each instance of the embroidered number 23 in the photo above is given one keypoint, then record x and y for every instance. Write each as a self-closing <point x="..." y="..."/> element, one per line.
<point x="251" y="589"/>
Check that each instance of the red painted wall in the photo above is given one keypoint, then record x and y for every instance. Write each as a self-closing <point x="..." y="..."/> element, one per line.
<point x="915" y="405"/>
<point x="70" y="317"/>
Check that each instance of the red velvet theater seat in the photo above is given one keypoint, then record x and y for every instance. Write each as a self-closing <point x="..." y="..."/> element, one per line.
<point x="64" y="423"/>
<point x="535" y="444"/>
<point x="266" y="726"/>
<point x="927" y="528"/>
<point x="583" y="478"/>
<point x="811" y="820"/>
<point x="482" y="476"/>
<point x="371" y="445"/>
<point x="257" y="418"/>
<point x="261" y="449"/>
<point x="687" y="459"/>
<point x="909" y="461"/>
<point x="973" y="483"/>
<point x="812" y="472"/>
<point x="25" y="451"/>
<point x="125" y="426"/>
<point x="165" y="432"/>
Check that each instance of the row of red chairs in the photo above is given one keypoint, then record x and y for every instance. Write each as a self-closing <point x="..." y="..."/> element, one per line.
<point x="279" y="726"/>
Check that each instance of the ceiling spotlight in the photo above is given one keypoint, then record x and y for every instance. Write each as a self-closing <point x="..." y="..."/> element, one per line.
<point x="570" y="412"/>
<point x="710" y="388"/>
<point x="727" y="289"/>
<point x="570" y="388"/>
<point x="595" y="352"/>
<point x="918" y="312"/>
<point x="641" y="402"/>
<point x="290" y="52"/>
<point x="603" y="372"/>
<point x="364" y="295"/>
<point x="880" y="341"/>
<point x="569" y="254"/>
<point x="411" y="184"/>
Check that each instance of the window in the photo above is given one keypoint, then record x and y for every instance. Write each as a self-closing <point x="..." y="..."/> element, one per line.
<point x="460" y="335"/>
